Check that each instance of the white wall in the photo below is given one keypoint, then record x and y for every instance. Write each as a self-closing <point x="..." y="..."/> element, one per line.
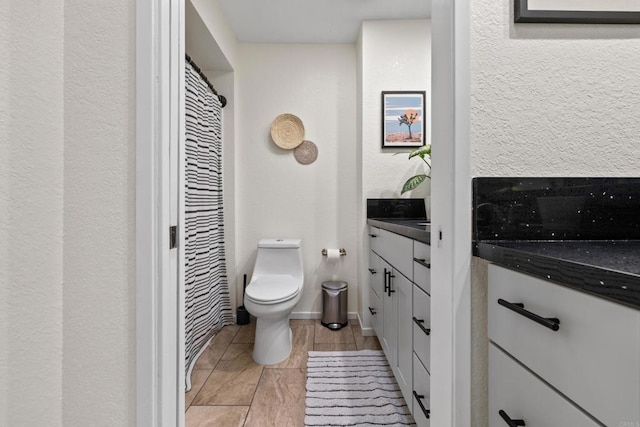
<point x="393" y="55"/>
<point x="553" y="100"/>
<point x="275" y="195"/>
<point x="67" y="295"/>
<point x="31" y="206"/>
<point x="396" y="55"/>
<point x="98" y="381"/>
<point x="547" y="100"/>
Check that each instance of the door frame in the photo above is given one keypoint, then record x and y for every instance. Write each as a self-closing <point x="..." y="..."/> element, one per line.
<point x="159" y="362"/>
<point x="451" y="214"/>
<point x="159" y="35"/>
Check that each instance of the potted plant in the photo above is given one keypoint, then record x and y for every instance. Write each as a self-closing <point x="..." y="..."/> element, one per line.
<point x="424" y="153"/>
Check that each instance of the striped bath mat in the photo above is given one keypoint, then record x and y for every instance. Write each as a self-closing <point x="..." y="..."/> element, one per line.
<point x="353" y="388"/>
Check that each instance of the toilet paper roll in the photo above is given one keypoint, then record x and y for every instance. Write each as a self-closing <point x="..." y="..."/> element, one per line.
<point x="333" y="255"/>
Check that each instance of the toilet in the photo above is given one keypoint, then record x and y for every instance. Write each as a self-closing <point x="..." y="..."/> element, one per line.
<point x="274" y="290"/>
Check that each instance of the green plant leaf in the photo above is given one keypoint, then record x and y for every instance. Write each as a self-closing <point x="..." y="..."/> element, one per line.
<point x="422" y="152"/>
<point x="413" y="182"/>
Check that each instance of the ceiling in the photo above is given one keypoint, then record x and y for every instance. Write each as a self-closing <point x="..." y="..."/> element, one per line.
<point x="313" y="21"/>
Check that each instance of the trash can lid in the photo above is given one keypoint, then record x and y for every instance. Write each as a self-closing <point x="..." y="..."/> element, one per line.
<point x="334" y="285"/>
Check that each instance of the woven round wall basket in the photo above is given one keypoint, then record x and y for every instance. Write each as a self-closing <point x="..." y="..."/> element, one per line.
<point x="306" y="153"/>
<point x="287" y="131"/>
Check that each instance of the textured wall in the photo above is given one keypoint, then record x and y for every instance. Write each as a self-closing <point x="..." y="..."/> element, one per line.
<point x="552" y="99"/>
<point x="396" y="55"/>
<point x="31" y="205"/>
<point x="99" y="290"/>
<point x="275" y="195"/>
<point x="547" y="100"/>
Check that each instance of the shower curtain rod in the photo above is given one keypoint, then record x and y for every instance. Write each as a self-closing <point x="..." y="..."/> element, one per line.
<point x="222" y="99"/>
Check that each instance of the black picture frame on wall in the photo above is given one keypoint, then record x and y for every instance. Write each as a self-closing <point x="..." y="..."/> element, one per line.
<point x="524" y="14"/>
<point x="403" y="119"/>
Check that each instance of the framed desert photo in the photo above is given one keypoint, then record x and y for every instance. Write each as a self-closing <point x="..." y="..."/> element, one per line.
<point x="577" y="11"/>
<point x="403" y="122"/>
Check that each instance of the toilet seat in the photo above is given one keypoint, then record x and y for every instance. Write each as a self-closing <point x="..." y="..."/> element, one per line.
<point x="272" y="289"/>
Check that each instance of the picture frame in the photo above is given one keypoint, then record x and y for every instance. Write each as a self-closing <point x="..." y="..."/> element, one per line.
<point x="577" y="11"/>
<point x="403" y="119"/>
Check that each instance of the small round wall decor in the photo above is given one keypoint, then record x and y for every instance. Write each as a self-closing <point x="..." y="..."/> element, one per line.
<point x="306" y="153"/>
<point x="287" y="131"/>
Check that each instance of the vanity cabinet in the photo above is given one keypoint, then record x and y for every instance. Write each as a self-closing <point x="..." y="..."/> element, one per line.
<point x="402" y="313"/>
<point x="396" y="339"/>
<point x="557" y="353"/>
<point x="376" y="277"/>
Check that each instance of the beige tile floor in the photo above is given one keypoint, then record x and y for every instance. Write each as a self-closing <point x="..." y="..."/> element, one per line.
<point x="228" y="389"/>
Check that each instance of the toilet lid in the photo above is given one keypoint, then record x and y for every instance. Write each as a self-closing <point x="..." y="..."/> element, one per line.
<point x="272" y="288"/>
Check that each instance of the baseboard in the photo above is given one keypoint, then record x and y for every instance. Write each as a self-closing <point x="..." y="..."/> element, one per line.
<point x="366" y="332"/>
<point x="316" y="315"/>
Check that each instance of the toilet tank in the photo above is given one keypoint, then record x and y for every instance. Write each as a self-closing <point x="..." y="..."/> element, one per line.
<point x="279" y="256"/>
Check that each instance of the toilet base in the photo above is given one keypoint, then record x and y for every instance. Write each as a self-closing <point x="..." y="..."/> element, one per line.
<point x="273" y="341"/>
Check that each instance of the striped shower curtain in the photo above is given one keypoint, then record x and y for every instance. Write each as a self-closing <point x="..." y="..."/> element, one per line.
<point x="208" y="306"/>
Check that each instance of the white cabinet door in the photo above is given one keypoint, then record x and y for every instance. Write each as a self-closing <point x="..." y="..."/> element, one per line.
<point x="521" y="396"/>
<point x="403" y="368"/>
<point x="389" y="341"/>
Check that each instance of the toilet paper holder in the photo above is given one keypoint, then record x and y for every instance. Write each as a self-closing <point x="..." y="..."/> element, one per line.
<point x="343" y="252"/>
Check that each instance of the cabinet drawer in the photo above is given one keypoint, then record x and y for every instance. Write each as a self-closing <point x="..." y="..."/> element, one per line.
<point x="421" y="266"/>
<point x="591" y="358"/>
<point x="422" y="251"/>
<point x="422" y="276"/>
<point x="421" y="387"/>
<point x="398" y="251"/>
<point x="374" y="239"/>
<point x="422" y="341"/>
<point x="522" y="396"/>
<point x="375" y="310"/>
<point x="376" y="274"/>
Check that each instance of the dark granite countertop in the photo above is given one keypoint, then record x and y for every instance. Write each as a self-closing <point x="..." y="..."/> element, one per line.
<point x="419" y="230"/>
<point x="580" y="232"/>
<point x="607" y="269"/>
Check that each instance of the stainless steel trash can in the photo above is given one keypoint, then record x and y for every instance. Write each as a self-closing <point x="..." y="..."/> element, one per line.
<point x="334" y="304"/>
